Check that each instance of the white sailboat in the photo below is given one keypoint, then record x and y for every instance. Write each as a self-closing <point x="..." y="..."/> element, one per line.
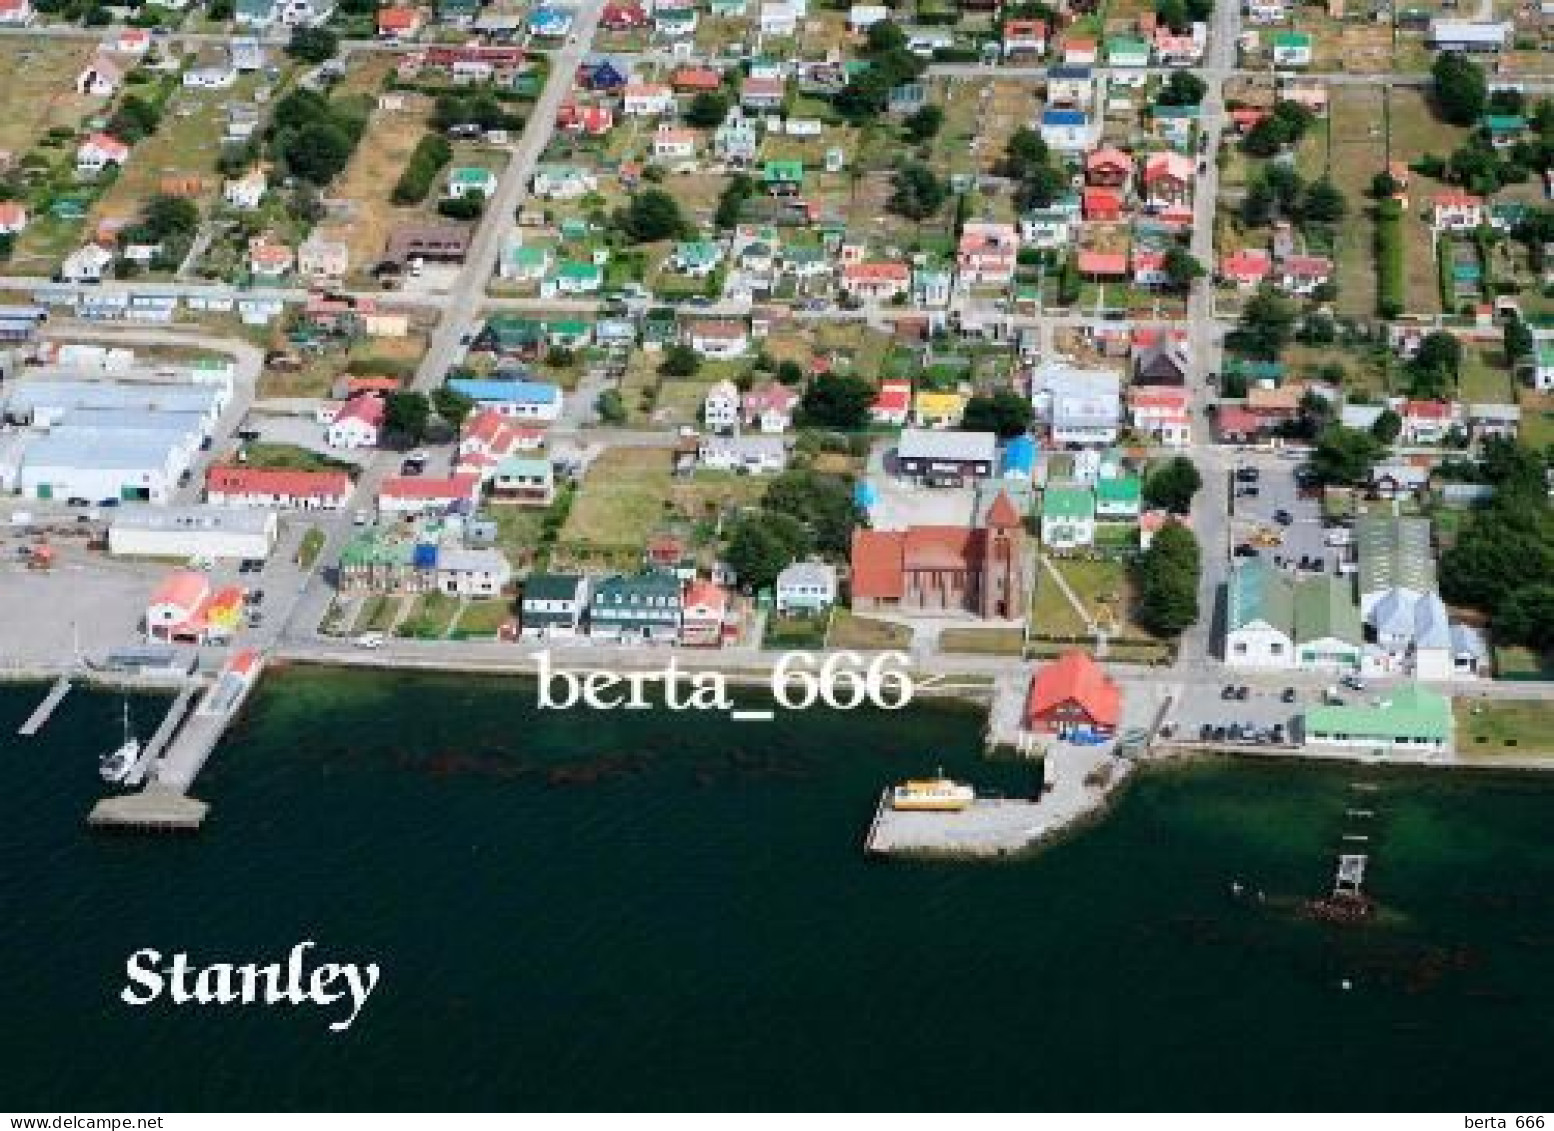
<point x="115" y="767"/>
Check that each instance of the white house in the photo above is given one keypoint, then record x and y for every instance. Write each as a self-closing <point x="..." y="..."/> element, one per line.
<point x="647" y="99"/>
<point x="99" y="151"/>
<point x="749" y="455"/>
<point x="778" y="20"/>
<point x="1456" y="211"/>
<point x="16" y="13"/>
<point x="805" y="588"/>
<point x="357" y="424"/>
<point x="1079" y="406"/>
<point x="720" y="408"/>
<point x="247" y="191"/>
<point x="563" y="182"/>
<point x="87" y="264"/>
<point x="720" y="338"/>
<point x="100" y="78"/>
<point x="472" y="573"/>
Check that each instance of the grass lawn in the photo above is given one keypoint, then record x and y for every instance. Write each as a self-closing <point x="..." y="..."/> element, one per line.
<point x="1522" y="662"/>
<point x="38" y="77"/>
<point x="1521" y="726"/>
<point x="982" y="641"/>
<point x="851" y="631"/>
<point x="310" y="546"/>
<point x="1103" y="588"/>
<point x="369" y="179"/>
<point x="795" y="632"/>
<point x="1537" y="419"/>
<point x="1355" y="152"/>
<point x="1052" y="614"/>
<point x="518" y="533"/>
<point x="378" y="613"/>
<point x="290" y="457"/>
<point x="623" y="498"/>
<point x="482" y="618"/>
<point x="429" y="617"/>
<point x="1484" y="379"/>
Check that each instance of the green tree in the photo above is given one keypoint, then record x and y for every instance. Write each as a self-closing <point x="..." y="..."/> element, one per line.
<point x="1182" y="88"/>
<point x="1461" y="90"/>
<point x="1519" y="342"/>
<point x="1526" y="617"/>
<point x="822" y="502"/>
<point x="732" y="201"/>
<point x="312" y="44"/>
<point x="762" y="545"/>
<point x="1267" y="321"/>
<point x="1324" y="202"/>
<point x="610" y="406"/>
<point x="651" y="216"/>
<point x="318" y="152"/>
<point x="1387" y="427"/>
<point x="1172" y="485"/>
<point x="680" y="360"/>
<point x="838" y="400"/>
<point x="452" y="405"/>
<point x="1041" y="187"/>
<point x="1345" y="456"/>
<point x="1004" y="411"/>
<point x="406" y="416"/>
<point x="1181" y="269"/>
<point x="1384" y="186"/>
<point x="1024" y="152"/>
<point x="1168" y="581"/>
<point x="133" y="119"/>
<point x="790" y="372"/>
<point x="169" y="218"/>
<point x="918" y="192"/>
<point x="1434" y="370"/>
<point x="1173" y="14"/>
<point x="924" y="123"/>
<point x="707" y="109"/>
<point x="1259" y="203"/>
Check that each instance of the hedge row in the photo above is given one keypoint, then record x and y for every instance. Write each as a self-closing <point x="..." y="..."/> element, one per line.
<point x="1389" y="258"/>
<point x="431" y="154"/>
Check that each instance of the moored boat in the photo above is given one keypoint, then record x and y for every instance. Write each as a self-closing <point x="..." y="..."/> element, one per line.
<point x="938" y="794"/>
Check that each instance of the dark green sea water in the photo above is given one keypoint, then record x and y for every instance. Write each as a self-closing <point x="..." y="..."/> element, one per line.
<point x="590" y="911"/>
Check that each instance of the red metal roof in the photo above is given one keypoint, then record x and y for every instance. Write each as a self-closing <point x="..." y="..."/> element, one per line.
<point x="1074" y="678"/>
<point x="876" y="565"/>
<point x="277" y="481"/>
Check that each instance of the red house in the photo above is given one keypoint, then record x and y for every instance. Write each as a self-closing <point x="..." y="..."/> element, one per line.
<point x="1108" y="166"/>
<point x="1103" y="264"/>
<point x="1102" y="204"/>
<point x="623" y="17"/>
<point x="694" y="80"/>
<point x="1073" y="693"/>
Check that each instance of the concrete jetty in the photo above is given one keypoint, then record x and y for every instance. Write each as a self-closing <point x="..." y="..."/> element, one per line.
<point x="159" y="740"/>
<point x="157" y="808"/>
<point x="1076" y="783"/>
<point x="46" y="708"/>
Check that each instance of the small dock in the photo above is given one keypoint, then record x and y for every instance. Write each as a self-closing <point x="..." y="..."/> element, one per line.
<point x="988" y="827"/>
<point x="156" y="808"/>
<point x="53" y="699"/>
<point x="1350" y="881"/>
<point x="158" y="741"/>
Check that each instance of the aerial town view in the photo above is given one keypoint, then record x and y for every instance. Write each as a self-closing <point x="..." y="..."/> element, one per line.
<point x="777" y="554"/>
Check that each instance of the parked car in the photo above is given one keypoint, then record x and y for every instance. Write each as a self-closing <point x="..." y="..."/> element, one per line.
<point x="369" y="640"/>
<point x="1243" y="691"/>
<point x="1283" y="517"/>
<point x="1246" y="551"/>
<point x="1289" y="695"/>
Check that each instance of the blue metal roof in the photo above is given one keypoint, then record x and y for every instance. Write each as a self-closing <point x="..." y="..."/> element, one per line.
<point x="1063" y="118"/>
<point x="488" y="391"/>
<point x="1020" y="454"/>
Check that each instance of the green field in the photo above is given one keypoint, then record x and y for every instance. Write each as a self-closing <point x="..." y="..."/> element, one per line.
<point x="1504" y="726"/>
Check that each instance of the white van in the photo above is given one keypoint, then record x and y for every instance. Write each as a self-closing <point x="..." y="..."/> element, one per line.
<point x="369" y="640"/>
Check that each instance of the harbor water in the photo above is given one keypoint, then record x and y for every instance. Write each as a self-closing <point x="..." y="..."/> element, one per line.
<point x="656" y="910"/>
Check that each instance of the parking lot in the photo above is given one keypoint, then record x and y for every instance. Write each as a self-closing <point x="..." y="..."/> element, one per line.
<point x="1270" y="506"/>
<point x="1254" y="704"/>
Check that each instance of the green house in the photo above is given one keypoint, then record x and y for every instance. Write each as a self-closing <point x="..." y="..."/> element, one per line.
<point x="569" y="333"/>
<point x="1249" y="370"/>
<point x="1067" y="517"/>
<point x="1328" y="631"/>
<point x="660" y="327"/>
<point x="1408" y="717"/>
<point x="573" y="277"/>
<point x="1125" y="51"/>
<point x="645" y="606"/>
<point x="512" y="334"/>
<point x="1119" y="497"/>
<point x="783" y="176"/>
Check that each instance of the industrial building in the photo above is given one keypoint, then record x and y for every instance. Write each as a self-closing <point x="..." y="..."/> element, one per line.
<point x="98" y="464"/>
<point x="192" y="532"/>
<point x="45" y="403"/>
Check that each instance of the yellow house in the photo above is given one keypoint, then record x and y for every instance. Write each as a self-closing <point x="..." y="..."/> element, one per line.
<point x="386" y="324"/>
<point x="938" y="410"/>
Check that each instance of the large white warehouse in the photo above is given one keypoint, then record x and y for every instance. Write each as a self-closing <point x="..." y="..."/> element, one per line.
<point x="95" y="464"/>
<point x="198" y="531"/>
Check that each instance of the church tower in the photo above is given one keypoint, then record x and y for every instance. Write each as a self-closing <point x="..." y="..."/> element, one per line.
<point x="1002" y="593"/>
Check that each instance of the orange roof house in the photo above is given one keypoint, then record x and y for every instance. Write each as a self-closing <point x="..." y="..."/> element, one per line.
<point x="1073" y="693"/>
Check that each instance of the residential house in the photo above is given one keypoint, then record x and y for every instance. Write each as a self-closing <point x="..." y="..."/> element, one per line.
<point x="736" y="140"/>
<point x="184" y="608"/>
<point x="1081" y="407"/>
<point x="938" y="409"/>
<point x="1067" y="517"/>
<point x="1067" y="131"/>
<point x="550" y="22"/>
<point x="691" y="79"/>
<point x="101" y="77"/>
<point x="268" y="258"/>
<point x="1025" y="37"/>
<point x="1469" y="35"/>
<point x="783" y="178"/>
<point x="1267" y="11"/>
<point x="627" y="15"/>
<point x="696" y="258"/>
<point x="647" y="99"/>
<point x="1127" y="53"/>
<point x="523" y="480"/>
<point x="466" y="572"/>
<point x="769" y="407"/>
<point x="1247" y="268"/>
<point x="323" y="259"/>
<point x="762" y="95"/>
<point x="1494" y="421"/>
<point x="1168" y="179"/>
<point x="358" y="423"/>
<point x="718" y="337"/>
<point x="1456" y="211"/>
<point x="1079" y="51"/>
<point x="892" y="404"/>
<point x="1073" y="697"/>
<point x="518" y="399"/>
<point x="1429" y="422"/>
<point x="1108" y="166"/>
<point x="641" y="607"/>
<point x="674" y="143"/>
<point x="573" y="277"/>
<point x="1101" y="205"/>
<point x="16" y="13"/>
<point x="1302" y="274"/>
<point x="589" y="121"/>
<point x="704" y="614"/>
<point x="1163" y="414"/>
<point x="749" y="455"/>
<point x="932" y="286"/>
<point x="428" y="494"/>
<point x="986" y="253"/>
<point x="563" y="182"/>
<point x="1290" y="49"/>
<point x="720" y="408"/>
<point x="1161" y="361"/>
<point x="13" y="217"/>
<point x="246" y="192"/>
<point x="213" y="71"/>
<point x="87" y="264"/>
<point x="876" y="281"/>
<point x="467" y="180"/>
<point x="806" y="589"/>
<point x="552" y="605"/>
<point x="99" y="151"/>
<point x="397" y="24"/>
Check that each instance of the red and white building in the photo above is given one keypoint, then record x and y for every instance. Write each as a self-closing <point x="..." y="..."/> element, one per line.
<point x="671" y="143"/>
<point x="704" y="614"/>
<point x="1303" y="274"/>
<point x="893" y="404"/>
<point x="647" y="99"/>
<point x="769" y="408"/>
<point x="1162" y="412"/>
<point x="1428" y="422"/>
<point x="358" y="424"/>
<point x="185" y="609"/>
<point x="1108" y="166"/>
<point x="489" y="438"/>
<point x="428" y="494"/>
<point x="99" y="151"/>
<point x="1025" y="37"/>
<point x="590" y="121"/>
<point x="398" y="23"/>
<point x="987" y="253"/>
<point x="876" y="282"/>
<point x="1168" y="179"/>
<point x="1073" y="694"/>
<point x="16" y="13"/>
<point x="1456" y="211"/>
<point x="1149" y="269"/>
<point x="276" y="487"/>
<point x="1246" y="268"/>
<point x="13" y="217"/>
<point x="1101" y="205"/>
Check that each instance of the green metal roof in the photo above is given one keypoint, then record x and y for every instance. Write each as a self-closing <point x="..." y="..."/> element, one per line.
<point x="1119" y="489"/>
<point x="1067" y="502"/>
<point x="1258" y="593"/>
<point x="1394" y="553"/>
<point x="1410" y="711"/>
<point x="784" y="171"/>
<point x="1291" y="39"/>
<point x="1325" y="609"/>
<point x="550" y="586"/>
